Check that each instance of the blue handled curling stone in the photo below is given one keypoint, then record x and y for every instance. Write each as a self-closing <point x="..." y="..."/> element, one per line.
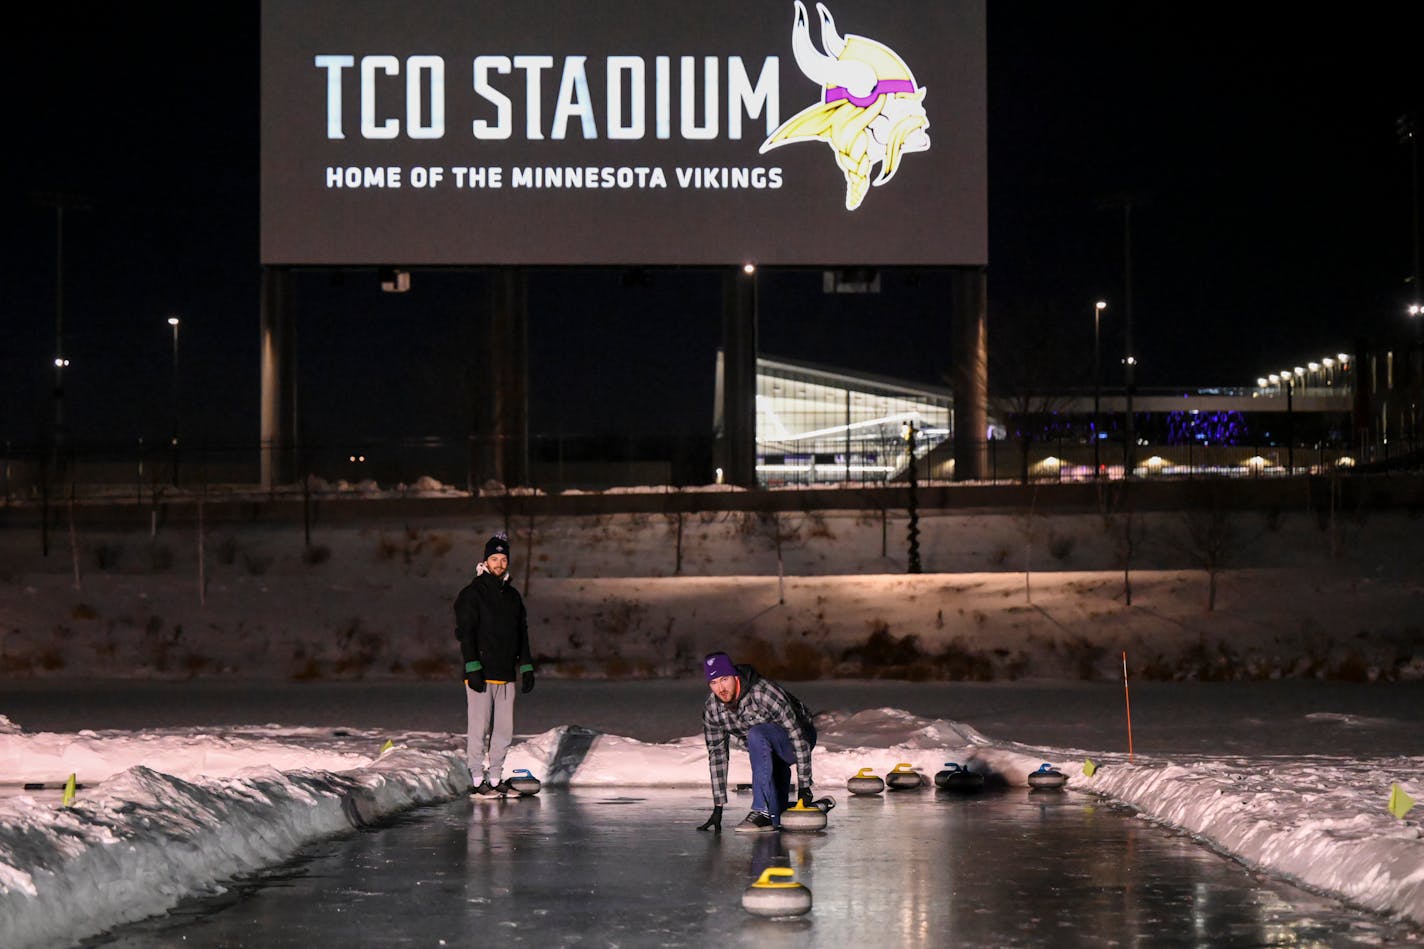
<point x="803" y="818"/>
<point x="954" y="777"/>
<point x="903" y="778"/>
<point x="767" y="897"/>
<point x="524" y="783"/>
<point x="1047" y="778"/>
<point x="865" y="781"/>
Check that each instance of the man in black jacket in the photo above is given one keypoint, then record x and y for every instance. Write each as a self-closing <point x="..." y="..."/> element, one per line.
<point x="493" y="630"/>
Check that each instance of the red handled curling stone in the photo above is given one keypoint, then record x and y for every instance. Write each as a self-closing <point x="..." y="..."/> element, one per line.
<point x="807" y="819"/>
<point x="865" y="781"/>
<point x="957" y="778"/>
<point x="1047" y="778"/>
<point x="767" y="897"/>
<point x="524" y="783"/>
<point x="903" y="778"/>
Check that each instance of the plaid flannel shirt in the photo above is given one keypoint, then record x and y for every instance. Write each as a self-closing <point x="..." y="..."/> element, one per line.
<point x="761" y="701"/>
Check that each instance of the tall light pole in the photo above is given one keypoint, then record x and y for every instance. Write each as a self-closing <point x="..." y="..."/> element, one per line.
<point x="1098" y="309"/>
<point x="1288" y="377"/>
<point x="1407" y="128"/>
<point x="173" y="398"/>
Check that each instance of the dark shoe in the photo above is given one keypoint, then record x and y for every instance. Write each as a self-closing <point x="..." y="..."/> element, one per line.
<point x="824" y="803"/>
<point x="757" y="823"/>
<point x="503" y="788"/>
<point x="484" y="789"/>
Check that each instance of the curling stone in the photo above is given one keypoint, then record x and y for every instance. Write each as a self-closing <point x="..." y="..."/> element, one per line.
<point x="1047" y="778"/>
<point x="767" y="897"/>
<point x="865" y="781"/>
<point x="955" y="777"/>
<point x="807" y="819"/>
<point x="903" y="778"/>
<point x="524" y="783"/>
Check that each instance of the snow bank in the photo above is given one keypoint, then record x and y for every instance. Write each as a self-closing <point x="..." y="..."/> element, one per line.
<point x="144" y="840"/>
<point x="179" y="811"/>
<point x="1320" y="821"/>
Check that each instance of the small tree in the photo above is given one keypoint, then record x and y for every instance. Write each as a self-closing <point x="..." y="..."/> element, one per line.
<point x="1030" y="375"/>
<point x="779" y="531"/>
<point x="1210" y="535"/>
<point x="1030" y="524"/>
<point x="1123" y="527"/>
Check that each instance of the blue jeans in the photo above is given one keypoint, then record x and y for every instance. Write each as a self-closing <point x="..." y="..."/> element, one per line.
<point x="772" y="756"/>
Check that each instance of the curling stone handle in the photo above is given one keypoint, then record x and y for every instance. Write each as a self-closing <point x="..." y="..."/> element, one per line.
<point x="524" y="771"/>
<point x="903" y="767"/>
<point x="766" y="876"/>
<point x="865" y="773"/>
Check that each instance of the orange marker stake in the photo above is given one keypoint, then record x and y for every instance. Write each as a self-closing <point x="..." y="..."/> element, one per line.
<point x="1127" y="697"/>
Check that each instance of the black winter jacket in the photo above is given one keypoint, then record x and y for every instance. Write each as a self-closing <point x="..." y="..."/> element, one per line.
<point x="493" y="629"/>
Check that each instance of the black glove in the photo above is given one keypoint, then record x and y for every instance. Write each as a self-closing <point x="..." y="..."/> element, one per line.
<point x="714" y="823"/>
<point x="806" y="798"/>
<point x="476" y="680"/>
<point x="526" y="684"/>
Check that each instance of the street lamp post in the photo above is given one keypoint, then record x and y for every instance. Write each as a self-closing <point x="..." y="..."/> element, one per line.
<point x="1098" y="309"/>
<point x="1288" y="377"/>
<point x="173" y="398"/>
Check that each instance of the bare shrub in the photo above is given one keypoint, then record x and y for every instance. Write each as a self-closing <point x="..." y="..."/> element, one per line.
<point x="160" y="557"/>
<point x="432" y="667"/>
<point x="957" y="662"/>
<point x="1061" y="546"/>
<point x="802" y="661"/>
<point x="617" y="617"/>
<point x="315" y="554"/>
<point x="758" y="653"/>
<point x="256" y="564"/>
<point x="816" y="526"/>
<point x="1351" y="667"/>
<point x="883" y="655"/>
<point x="226" y="550"/>
<point x="359" y="648"/>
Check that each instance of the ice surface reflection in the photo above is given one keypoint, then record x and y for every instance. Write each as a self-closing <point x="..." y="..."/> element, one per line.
<point x="914" y="868"/>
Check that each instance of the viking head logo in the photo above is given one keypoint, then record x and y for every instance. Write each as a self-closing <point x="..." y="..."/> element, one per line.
<point x="871" y="110"/>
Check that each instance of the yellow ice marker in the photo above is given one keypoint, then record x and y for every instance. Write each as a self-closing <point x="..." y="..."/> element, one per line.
<point x="69" y="792"/>
<point x="1400" y="803"/>
<point x="387" y="746"/>
<point x="1090" y="767"/>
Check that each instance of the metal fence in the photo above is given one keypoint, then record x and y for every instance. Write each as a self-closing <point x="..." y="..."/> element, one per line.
<point x="560" y="463"/>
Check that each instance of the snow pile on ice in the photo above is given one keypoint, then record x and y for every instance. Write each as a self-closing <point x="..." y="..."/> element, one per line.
<point x="1320" y="821"/>
<point x="179" y="811"/>
<point x="143" y="840"/>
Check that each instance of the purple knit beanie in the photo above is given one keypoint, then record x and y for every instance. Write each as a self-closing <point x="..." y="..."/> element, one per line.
<point x="717" y="665"/>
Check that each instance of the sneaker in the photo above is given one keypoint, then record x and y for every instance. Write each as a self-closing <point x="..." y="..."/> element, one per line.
<point x="484" y="789"/>
<point x="824" y="803"/>
<point x="757" y="822"/>
<point x="503" y="788"/>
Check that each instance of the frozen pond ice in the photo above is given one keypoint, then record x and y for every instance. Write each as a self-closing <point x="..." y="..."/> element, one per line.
<point x="627" y="867"/>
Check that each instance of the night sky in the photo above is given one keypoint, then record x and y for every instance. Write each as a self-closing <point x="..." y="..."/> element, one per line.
<point x="1270" y="225"/>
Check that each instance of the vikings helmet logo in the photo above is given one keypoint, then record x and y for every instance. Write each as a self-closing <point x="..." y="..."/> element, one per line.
<point x="871" y="110"/>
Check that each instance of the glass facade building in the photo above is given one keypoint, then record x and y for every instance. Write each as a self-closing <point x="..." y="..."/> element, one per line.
<point x="816" y="425"/>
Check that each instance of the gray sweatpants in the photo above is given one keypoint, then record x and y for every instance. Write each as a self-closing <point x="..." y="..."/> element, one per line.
<point x="491" y="726"/>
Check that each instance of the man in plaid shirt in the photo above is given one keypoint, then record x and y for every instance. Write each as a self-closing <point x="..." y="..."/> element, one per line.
<point x="775" y="729"/>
